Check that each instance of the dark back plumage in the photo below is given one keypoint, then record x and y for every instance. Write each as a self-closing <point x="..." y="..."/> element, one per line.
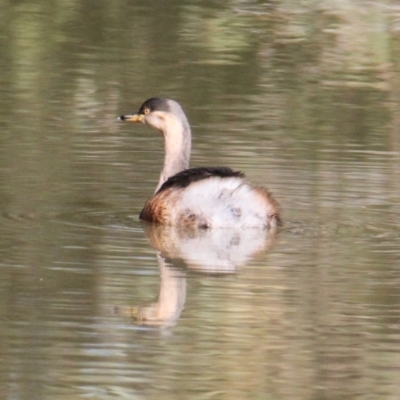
<point x="185" y="178"/>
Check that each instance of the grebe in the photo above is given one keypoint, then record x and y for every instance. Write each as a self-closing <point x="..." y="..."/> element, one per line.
<point x="210" y="197"/>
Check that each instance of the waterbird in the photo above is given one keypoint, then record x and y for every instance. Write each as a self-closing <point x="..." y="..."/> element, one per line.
<point x="199" y="198"/>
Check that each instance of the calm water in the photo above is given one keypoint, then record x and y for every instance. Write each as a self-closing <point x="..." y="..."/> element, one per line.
<point x="301" y="96"/>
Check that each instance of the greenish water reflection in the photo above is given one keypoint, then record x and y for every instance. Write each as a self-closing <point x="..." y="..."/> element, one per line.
<point x="302" y="97"/>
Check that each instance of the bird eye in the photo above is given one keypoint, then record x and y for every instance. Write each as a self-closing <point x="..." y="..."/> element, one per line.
<point x="146" y="111"/>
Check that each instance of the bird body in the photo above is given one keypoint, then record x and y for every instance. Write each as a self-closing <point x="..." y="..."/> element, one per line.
<point x="215" y="197"/>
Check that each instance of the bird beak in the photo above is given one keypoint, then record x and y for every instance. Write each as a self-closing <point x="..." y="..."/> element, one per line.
<point x="132" y="118"/>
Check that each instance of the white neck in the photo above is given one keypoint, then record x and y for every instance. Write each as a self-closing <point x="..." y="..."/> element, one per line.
<point x="177" y="142"/>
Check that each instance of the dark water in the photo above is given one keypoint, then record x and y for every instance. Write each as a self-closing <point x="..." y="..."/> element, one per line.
<point x="303" y="98"/>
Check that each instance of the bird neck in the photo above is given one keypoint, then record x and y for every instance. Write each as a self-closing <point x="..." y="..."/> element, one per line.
<point x="177" y="142"/>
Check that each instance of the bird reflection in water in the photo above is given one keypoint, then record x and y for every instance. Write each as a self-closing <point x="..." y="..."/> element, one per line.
<point x="180" y="251"/>
<point x="209" y="220"/>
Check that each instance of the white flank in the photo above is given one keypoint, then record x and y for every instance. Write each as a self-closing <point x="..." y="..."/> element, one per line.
<point x="223" y="203"/>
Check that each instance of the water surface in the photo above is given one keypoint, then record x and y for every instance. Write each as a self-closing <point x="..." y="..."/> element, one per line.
<point x="303" y="99"/>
